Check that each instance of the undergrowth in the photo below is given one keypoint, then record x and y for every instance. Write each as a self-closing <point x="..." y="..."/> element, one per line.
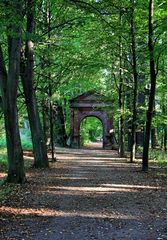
<point x="26" y="145"/>
<point x="159" y="156"/>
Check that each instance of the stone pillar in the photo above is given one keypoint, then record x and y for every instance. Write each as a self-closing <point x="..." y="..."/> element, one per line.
<point x="108" y="138"/>
<point x="75" y="135"/>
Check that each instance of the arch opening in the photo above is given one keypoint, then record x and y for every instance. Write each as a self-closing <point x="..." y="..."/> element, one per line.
<point x="91" y="133"/>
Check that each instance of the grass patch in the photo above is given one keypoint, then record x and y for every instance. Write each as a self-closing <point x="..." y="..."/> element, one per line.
<point x="26" y="145"/>
<point x="160" y="157"/>
<point x="3" y="154"/>
<point x="162" y="162"/>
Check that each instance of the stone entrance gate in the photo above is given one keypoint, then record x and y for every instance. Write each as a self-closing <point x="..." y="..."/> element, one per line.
<point x="90" y="104"/>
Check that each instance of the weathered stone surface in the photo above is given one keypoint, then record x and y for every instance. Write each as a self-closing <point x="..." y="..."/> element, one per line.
<point x="90" y="104"/>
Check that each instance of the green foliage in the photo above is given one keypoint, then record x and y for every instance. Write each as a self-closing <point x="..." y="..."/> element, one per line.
<point x="3" y="153"/>
<point x="91" y="130"/>
<point x="26" y="138"/>
<point x="160" y="157"/>
<point x="2" y="142"/>
<point x="26" y="145"/>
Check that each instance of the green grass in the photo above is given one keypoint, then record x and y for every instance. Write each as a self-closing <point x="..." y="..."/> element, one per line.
<point x="162" y="161"/>
<point x="160" y="157"/>
<point x="27" y="145"/>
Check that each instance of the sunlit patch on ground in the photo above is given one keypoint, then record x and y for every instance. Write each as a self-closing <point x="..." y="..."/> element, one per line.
<point x="52" y="212"/>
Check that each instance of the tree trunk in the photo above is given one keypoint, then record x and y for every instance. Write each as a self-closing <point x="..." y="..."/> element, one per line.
<point x="152" y="90"/>
<point x="16" y="172"/>
<point x="134" y="64"/>
<point x="39" y="147"/>
<point x="52" y="145"/>
<point x="51" y="124"/>
<point x="45" y="115"/>
<point x="121" y="119"/>
<point x="9" y="86"/>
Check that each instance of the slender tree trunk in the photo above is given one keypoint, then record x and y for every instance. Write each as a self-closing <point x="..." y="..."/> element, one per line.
<point x="135" y="86"/>
<point x="153" y="132"/>
<point x="152" y="90"/>
<point x="9" y="85"/>
<point x="121" y="118"/>
<point x="39" y="147"/>
<point x="50" y="85"/>
<point x="45" y="116"/>
<point x="51" y="125"/>
<point x="121" y="128"/>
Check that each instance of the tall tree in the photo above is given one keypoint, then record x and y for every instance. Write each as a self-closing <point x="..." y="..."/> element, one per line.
<point x="27" y="76"/>
<point x="9" y="85"/>
<point x="121" y="97"/>
<point x="48" y="20"/>
<point x="135" y="83"/>
<point x="153" y="87"/>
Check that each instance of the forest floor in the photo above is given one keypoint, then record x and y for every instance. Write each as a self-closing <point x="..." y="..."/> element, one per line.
<point x="87" y="194"/>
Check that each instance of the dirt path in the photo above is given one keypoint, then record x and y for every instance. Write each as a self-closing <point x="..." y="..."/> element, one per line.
<point x="87" y="195"/>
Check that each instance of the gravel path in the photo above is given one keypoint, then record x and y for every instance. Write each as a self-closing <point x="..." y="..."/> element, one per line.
<point x="87" y="194"/>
